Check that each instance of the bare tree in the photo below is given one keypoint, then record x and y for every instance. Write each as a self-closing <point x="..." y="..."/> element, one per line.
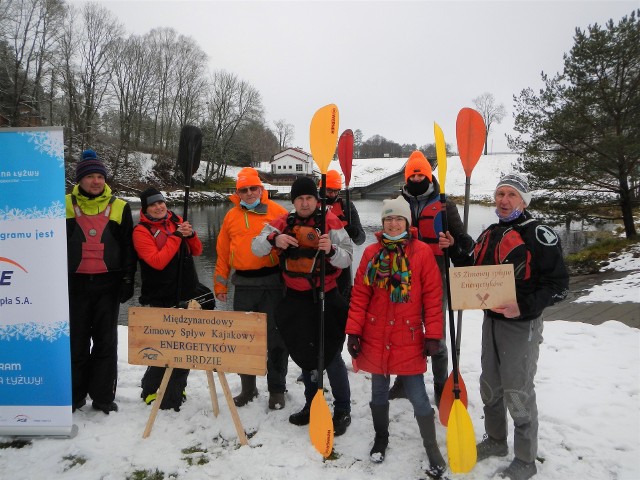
<point x="190" y="73"/>
<point x="490" y="112"/>
<point x="27" y="27"/>
<point x="357" y="142"/>
<point x="284" y="133"/>
<point x="87" y="73"/>
<point x="231" y="103"/>
<point x="171" y="105"/>
<point x="131" y="77"/>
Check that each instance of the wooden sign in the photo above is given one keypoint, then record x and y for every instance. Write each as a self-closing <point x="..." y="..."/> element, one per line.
<point x="198" y="339"/>
<point x="482" y="287"/>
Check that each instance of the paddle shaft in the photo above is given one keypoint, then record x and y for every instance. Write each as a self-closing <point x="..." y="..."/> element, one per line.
<point x="467" y="192"/>
<point x="183" y="245"/>
<point x="323" y="207"/>
<point x="452" y="328"/>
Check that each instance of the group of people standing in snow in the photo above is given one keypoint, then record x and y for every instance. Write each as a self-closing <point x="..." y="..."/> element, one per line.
<point x="391" y="316"/>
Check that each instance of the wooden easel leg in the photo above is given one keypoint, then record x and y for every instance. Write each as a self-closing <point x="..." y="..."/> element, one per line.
<point x="212" y="393"/>
<point x="232" y="408"/>
<point x="157" y="402"/>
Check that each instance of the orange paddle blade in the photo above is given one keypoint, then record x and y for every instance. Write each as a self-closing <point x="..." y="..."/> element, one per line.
<point x="323" y="136"/>
<point x="321" y="425"/>
<point x="447" y="398"/>
<point x="461" y="440"/>
<point x="471" y="134"/>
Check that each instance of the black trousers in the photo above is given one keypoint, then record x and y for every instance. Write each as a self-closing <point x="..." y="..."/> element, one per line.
<point x="94" y="305"/>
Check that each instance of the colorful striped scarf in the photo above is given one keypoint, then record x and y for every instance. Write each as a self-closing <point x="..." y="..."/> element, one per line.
<point x="391" y="272"/>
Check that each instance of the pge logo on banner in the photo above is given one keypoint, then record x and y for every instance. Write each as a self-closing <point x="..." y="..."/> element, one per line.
<point x="5" y="274"/>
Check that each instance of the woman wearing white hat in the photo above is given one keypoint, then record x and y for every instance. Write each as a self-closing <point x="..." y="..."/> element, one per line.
<point x="395" y="323"/>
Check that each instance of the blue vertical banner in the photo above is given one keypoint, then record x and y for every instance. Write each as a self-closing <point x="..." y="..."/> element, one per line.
<point x="35" y="364"/>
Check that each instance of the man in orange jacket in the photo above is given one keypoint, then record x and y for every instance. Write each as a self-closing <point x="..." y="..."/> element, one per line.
<point x="256" y="280"/>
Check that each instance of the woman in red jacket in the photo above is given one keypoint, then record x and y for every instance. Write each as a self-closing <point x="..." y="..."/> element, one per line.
<point x="157" y="240"/>
<point x="395" y="322"/>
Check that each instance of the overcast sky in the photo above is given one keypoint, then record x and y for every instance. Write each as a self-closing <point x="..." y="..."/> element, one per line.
<point x="393" y="68"/>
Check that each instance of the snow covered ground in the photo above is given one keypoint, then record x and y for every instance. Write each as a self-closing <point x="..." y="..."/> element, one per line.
<point x="588" y="389"/>
<point x="588" y="386"/>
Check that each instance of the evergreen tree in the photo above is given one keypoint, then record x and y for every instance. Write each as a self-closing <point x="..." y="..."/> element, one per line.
<point x="580" y="136"/>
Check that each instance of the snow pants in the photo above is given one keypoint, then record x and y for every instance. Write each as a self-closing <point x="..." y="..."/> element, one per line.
<point x="510" y="351"/>
<point x="94" y="305"/>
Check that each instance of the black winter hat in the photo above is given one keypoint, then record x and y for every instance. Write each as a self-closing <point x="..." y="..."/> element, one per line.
<point x="149" y="196"/>
<point x="89" y="163"/>
<point x="303" y="186"/>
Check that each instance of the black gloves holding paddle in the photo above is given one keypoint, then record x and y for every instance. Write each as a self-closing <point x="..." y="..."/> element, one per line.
<point x="353" y="345"/>
<point x="430" y="347"/>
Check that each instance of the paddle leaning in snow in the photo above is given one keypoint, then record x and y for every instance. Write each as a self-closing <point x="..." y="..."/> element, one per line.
<point x="461" y="440"/>
<point x="470" y="134"/>
<point x="323" y="136"/>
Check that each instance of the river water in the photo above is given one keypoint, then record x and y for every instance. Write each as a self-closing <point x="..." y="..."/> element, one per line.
<point x="206" y="220"/>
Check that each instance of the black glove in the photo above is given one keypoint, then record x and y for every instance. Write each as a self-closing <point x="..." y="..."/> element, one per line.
<point x="126" y="289"/>
<point x="353" y="345"/>
<point x="431" y="347"/>
<point x="352" y="231"/>
<point x="465" y="244"/>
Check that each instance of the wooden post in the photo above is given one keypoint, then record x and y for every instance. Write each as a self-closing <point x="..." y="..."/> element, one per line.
<point x="157" y="402"/>
<point x="212" y="393"/>
<point x="232" y="408"/>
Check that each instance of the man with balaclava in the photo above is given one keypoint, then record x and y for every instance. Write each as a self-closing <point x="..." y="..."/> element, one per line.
<point x="422" y="191"/>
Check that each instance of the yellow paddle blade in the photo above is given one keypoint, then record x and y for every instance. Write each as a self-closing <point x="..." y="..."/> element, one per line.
<point x="321" y="425"/>
<point x="441" y="154"/>
<point x="461" y="440"/>
<point x="323" y="136"/>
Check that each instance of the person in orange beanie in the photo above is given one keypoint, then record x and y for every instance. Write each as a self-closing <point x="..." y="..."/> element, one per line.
<point x="348" y="215"/>
<point x="422" y="191"/>
<point x="256" y="280"/>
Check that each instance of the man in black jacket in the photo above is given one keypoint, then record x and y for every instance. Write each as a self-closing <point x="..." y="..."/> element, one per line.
<point x="101" y="266"/>
<point x="512" y="334"/>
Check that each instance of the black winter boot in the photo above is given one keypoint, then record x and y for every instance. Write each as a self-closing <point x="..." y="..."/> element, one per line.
<point x="302" y="417"/>
<point x="380" y="415"/>
<point x="428" y="432"/>
<point x="397" y="390"/>
<point x="249" y="390"/>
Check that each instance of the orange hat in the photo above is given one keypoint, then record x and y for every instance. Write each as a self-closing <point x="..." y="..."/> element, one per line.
<point x="418" y="163"/>
<point x="248" y="177"/>
<point x="334" y="180"/>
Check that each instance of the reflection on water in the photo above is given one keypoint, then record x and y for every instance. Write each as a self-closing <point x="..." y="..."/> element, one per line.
<point x="206" y="220"/>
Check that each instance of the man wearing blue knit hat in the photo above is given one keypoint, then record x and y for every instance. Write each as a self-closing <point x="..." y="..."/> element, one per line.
<point x="101" y="265"/>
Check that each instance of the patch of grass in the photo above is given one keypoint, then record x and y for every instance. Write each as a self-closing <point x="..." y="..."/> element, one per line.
<point x="589" y="259"/>
<point x="194" y="449"/>
<point x="196" y="460"/>
<point x="148" y="475"/>
<point x="192" y="459"/>
<point x="15" y="444"/>
<point x="73" y="460"/>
